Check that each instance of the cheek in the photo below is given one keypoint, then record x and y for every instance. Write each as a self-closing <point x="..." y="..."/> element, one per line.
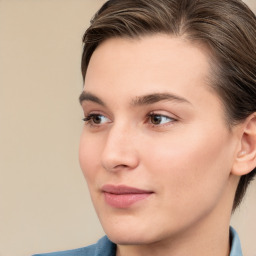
<point x="188" y="165"/>
<point x="89" y="156"/>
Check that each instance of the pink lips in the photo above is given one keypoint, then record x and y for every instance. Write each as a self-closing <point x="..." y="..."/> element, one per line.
<point x="123" y="196"/>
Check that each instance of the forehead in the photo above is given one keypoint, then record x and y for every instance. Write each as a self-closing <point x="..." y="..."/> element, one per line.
<point x="155" y="59"/>
<point x="151" y="52"/>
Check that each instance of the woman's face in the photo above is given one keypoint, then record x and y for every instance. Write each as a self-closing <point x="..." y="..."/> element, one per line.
<point x="155" y="148"/>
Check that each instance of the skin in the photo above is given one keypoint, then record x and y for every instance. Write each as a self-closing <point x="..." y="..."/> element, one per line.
<point x="185" y="159"/>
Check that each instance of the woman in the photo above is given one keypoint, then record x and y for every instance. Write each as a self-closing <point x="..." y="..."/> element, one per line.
<point x="169" y="143"/>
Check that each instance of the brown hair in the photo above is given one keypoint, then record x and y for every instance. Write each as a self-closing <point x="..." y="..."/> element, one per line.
<point x="226" y="27"/>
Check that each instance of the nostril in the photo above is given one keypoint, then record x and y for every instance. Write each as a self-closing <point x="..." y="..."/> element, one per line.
<point x="115" y="168"/>
<point x="122" y="166"/>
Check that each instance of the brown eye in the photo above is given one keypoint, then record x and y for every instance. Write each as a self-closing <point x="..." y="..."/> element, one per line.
<point x="97" y="119"/>
<point x="157" y="119"/>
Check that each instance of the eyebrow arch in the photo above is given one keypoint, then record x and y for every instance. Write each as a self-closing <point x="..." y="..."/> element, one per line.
<point x="156" y="97"/>
<point x="87" y="96"/>
<point x="138" y="101"/>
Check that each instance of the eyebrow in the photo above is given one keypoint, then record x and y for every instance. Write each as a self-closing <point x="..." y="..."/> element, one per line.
<point x="156" y="97"/>
<point x="138" y="101"/>
<point x="87" y="96"/>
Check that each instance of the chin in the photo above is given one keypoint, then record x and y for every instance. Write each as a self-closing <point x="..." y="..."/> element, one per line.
<point x="129" y="238"/>
<point x="131" y="234"/>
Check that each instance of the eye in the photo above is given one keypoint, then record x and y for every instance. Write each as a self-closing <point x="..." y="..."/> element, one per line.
<point x="158" y="119"/>
<point x="96" y="119"/>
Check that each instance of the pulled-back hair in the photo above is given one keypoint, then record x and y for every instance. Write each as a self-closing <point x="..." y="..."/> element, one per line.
<point x="226" y="27"/>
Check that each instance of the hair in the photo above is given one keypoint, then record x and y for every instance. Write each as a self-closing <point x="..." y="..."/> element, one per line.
<point x="226" y="27"/>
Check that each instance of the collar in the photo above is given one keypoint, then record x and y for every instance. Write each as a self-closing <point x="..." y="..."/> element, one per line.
<point x="236" y="249"/>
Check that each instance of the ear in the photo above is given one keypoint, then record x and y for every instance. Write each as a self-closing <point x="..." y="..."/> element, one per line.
<point x="245" y="160"/>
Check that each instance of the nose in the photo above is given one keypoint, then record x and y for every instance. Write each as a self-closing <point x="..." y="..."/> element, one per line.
<point x="120" y="151"/>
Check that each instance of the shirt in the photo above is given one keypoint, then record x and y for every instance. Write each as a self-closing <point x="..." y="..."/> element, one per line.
<point x="104" y="247"/>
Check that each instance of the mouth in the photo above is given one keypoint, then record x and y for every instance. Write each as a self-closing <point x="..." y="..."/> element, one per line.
<point x="123" y="196"/>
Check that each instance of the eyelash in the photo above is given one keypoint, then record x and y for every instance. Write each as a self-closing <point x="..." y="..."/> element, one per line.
<point x="89" y="120"/>
<point x="152" y="115"/>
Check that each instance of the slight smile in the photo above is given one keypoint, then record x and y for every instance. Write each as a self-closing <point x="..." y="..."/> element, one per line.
<point x="123" y="196"/>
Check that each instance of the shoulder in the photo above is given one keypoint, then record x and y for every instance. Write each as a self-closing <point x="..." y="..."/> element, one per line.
<point x="103" y="247"/>
<point x="89" y="250"/>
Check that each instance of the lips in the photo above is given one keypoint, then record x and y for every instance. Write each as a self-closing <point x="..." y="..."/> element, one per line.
<point x="123" y="196"/>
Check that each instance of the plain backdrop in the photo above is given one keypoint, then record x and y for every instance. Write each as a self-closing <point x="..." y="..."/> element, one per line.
<point x="44" y="202"/>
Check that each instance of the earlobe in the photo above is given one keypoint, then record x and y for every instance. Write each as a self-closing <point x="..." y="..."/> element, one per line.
<point x="245" y="160"/>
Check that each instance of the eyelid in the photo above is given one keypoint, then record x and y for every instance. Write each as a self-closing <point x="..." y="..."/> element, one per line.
<point x="88" y="119"/>
<point x="90" y="107"/>
<point x="158" y="113"/>
<point x="164" y="114"/>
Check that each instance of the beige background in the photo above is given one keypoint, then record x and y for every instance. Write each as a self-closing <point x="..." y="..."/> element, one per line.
<point x="44" y="202"/>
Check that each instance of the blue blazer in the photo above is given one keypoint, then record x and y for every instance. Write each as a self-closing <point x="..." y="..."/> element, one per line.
<point x="104" y="247"/>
